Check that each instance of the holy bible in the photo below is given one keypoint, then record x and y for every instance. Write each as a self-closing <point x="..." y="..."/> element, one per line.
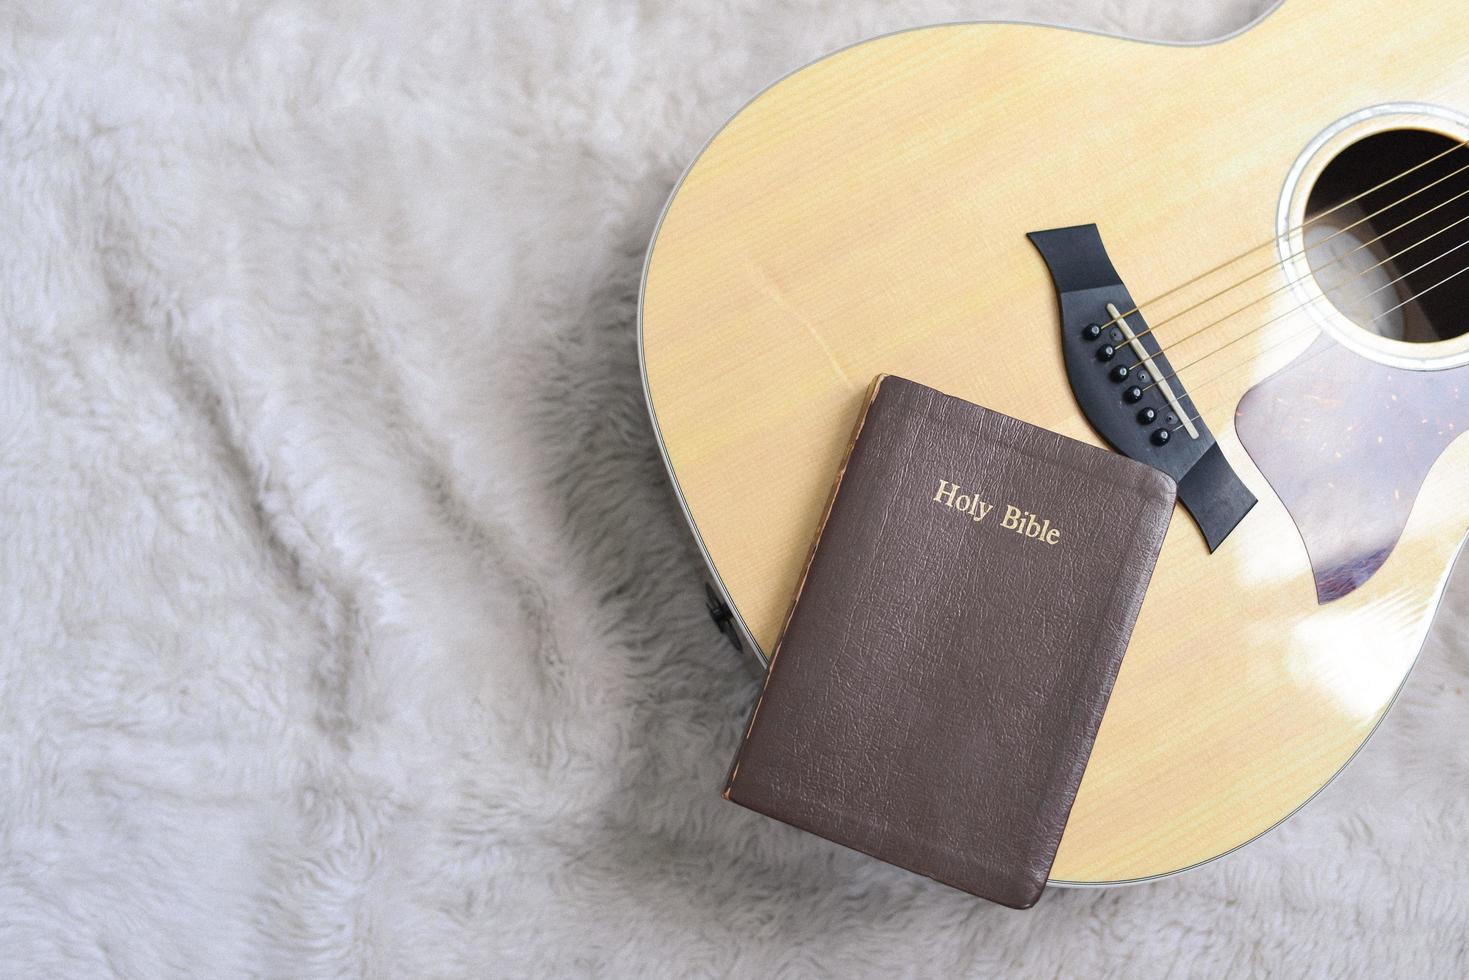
<point x="940" y="678"/>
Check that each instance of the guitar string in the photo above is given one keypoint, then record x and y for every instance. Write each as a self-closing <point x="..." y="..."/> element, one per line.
<point x="1293" y="231"/>
<point x="1310" y="274"/>
<point x="1270" y="268"/>
<point x="1378" y="316"/>
<point x="1298" y="308"/>
<point x="1323" y="294"/>
<point x="1257" y="356"/>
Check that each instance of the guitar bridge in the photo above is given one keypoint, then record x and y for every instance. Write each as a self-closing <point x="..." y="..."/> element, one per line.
<point x="1127" y="389"/>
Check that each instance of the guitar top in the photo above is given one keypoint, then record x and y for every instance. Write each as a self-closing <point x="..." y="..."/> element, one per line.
<point x="1243" y="263"/>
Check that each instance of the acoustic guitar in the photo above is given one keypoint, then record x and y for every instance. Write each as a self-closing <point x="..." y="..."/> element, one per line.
<point x="1246" y="263"/>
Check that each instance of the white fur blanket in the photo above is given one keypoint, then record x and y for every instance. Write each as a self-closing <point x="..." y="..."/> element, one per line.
<point x="349" y="625"/>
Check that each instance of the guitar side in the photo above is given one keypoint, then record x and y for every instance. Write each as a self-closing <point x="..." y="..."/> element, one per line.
<point x="868" y="214"/>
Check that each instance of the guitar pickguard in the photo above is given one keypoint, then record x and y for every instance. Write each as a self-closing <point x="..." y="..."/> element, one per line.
<point x="1346" y="443"/>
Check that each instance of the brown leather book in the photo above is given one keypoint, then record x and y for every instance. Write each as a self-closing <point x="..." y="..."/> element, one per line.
<point x="941" y="676"/>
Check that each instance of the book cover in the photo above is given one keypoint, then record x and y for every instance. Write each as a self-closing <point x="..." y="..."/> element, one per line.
<point x="935" y="692"/>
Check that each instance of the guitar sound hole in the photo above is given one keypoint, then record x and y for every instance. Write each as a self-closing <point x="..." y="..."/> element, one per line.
<point x="1393" y="254"/>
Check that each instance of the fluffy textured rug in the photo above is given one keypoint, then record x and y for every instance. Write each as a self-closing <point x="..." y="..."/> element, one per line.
<point x="349" y="625"/>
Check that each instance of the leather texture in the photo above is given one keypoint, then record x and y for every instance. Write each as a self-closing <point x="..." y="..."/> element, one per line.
<point x="937" y="688"/>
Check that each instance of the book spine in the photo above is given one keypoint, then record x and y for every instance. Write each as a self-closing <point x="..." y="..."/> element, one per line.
<point x="831" y="500"/>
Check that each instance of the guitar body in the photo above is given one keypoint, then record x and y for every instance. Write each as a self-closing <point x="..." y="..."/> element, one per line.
<point x="869" y="214"/>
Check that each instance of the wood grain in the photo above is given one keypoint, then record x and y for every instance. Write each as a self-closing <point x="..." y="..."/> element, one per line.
<point x="867" y="215"/>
